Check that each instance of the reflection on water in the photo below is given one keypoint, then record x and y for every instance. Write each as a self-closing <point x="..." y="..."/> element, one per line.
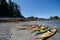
<point x="55" y="24"/>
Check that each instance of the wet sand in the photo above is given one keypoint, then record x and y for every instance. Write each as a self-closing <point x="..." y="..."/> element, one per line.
<point x="8" y="31"/>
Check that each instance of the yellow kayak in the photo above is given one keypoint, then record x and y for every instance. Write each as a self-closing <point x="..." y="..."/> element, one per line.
<point x="36" y="28"/>
<point x="33" y="27"/>
<point x="47" y="34"/>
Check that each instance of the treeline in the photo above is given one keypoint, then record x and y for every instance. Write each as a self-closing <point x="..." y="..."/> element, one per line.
<point x="9" y="9"/>
<point x="54" y="17"/>
<point x="50" y="18"/>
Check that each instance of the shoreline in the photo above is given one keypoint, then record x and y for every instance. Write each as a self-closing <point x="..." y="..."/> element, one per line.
<point x="11" y="32"/>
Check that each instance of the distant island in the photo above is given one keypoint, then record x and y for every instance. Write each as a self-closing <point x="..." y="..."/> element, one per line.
<point x="32" y="18"/>
<point x="18" y="19"/>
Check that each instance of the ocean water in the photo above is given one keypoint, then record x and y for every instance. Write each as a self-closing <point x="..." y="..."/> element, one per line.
<point x="54" y="24"/>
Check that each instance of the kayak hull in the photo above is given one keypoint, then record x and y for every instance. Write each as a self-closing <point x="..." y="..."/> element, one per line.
<point x="47" y="34"/>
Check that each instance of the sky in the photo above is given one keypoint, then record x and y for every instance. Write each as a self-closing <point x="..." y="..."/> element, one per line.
<point x="39" y="8"/>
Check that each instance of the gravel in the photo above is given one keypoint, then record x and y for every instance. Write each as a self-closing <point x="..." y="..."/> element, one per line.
<point x="9" y="32"/>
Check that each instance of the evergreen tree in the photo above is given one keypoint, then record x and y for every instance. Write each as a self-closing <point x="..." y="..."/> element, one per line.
<point x="9" y="9"/>
<point x="3" y="8"/>
<point x="14" y="11"/>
